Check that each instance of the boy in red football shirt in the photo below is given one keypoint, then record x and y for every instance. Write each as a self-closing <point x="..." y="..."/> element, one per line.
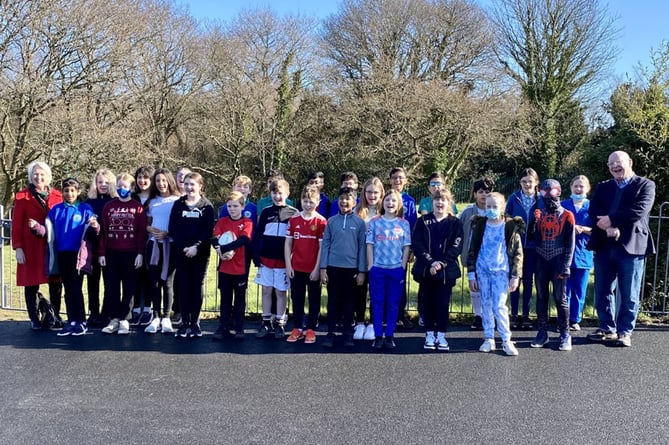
<point x="302" y="251"/>
<point x="232" y="268"/>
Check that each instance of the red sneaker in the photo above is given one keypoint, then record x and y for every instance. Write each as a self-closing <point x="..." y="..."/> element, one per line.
<point x="295" y="335"/>
<point x="310" y="336"/>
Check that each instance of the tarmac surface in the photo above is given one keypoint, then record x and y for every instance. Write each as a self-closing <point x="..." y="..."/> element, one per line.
<point x="143" y="389"/>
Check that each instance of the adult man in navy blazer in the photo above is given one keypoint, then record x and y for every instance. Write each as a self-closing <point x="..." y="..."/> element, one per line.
<point x="621" y="241"/>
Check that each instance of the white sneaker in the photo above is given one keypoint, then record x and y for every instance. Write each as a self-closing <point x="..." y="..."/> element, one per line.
<point x="166" y="326"/>
<point x="429" y="341"/>
<point x="111" y="327"/>
<point x="153" y="327"/>
<point x="442" y="344"/>
<point x="359" y="332"/>
<point x="369" y="332"/>
<point x="488" y="345"/>
<point x="509" y="348"/>
<point x="123" y="327"/>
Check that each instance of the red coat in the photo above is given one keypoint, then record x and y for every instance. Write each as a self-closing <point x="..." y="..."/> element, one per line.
<point x="33" y="272"/>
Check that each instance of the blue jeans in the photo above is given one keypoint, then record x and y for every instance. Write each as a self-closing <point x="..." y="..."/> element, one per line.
<point x="611" y="264"/>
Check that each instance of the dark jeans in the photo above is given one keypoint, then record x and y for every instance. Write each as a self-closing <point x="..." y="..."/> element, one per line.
<point x="30" y="295"/>
<point x="233" y="299"/>
<point x="360" y="303"/>
<point x="546" y="273"/>
<point x="436" y="296"/>
<point x="72" y="282"/>
<point x="161" y="291"/>
<point x="341" y="291"/>
<point x="300" y="285"/>
<point x="190" y="278"/>
<point x="529" y="261"/>
<point x="120" y="283"/>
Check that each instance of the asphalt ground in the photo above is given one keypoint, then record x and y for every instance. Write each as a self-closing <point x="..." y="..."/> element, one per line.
<point x="142" y="389"/>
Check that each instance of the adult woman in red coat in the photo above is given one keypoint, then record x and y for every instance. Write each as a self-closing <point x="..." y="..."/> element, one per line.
<point x="31" y="206"/>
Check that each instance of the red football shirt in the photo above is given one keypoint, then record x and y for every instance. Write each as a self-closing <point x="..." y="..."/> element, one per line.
<point x="306" y="235"/>
<point x="240" y="227"/>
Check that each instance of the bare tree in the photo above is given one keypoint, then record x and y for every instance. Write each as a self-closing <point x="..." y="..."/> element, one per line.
<point x="555" y="50"/>
<point x="413" y="77"/>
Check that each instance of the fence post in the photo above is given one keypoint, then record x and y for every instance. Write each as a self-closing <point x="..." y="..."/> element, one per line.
<point x="2" y="257"/>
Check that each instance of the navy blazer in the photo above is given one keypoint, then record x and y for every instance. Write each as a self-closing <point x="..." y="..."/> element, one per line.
<point x="631" y="217"/>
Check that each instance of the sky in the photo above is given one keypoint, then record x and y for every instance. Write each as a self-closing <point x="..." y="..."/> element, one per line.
<point x="642" y="22"/>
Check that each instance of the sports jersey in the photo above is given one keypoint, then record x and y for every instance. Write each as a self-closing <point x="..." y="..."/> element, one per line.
<point x="306" y="235"/>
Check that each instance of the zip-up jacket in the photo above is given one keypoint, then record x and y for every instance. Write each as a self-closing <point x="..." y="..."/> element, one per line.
<point x="270" y="233"/>
<point x="424" y="239"/>
<point x="513" y="229"/>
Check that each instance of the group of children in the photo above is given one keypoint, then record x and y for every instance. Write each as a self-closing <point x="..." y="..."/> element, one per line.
<point x="168" y="232"/>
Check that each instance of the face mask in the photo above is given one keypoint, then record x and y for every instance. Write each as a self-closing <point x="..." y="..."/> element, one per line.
<point x="576" y="197"/>
<point x="552" y="205"/>
<point x="491" y="213"/>
<point x="123" y="193"/>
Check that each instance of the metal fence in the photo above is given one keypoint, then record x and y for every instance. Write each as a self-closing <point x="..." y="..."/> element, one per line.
<point x="654" y="292"/>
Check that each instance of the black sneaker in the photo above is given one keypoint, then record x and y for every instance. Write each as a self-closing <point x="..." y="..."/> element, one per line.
<point x="220" y="334"/>
<point x="348" y="341"/>
<point x="279" y="331"/>
<point x="602" y="335"/>
<point x="145" y="318"/>
<point x="328" y="342"/>
<point x="540" y="340"/>
<point x="526" y="325"/>
<point x="182" y="331"/>
<point x="195" y="330"/>
<point x="239" y="335"/>
<point x="389" y="343"/>
<point x="35" y="326"/>
<point x="477" y="324"/>
<point x="134" y="320"/>
<point x="176" y="319"/>
<point x="517" y="323"/>
<point x="265" y="328"/>
<point x="378" y="343"/>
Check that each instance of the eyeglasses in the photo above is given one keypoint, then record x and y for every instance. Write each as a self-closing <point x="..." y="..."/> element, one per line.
<point x="614" y="163"/>
<point x="436" y="184"/>
<point x="398" y="178"/>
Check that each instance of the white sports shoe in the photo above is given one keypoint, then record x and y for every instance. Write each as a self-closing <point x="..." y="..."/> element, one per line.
<point x="359" y="332"/>
<point x="369" y="332"/>
<point x="166" y="326"/>
<point x="488" y="345"/>
<point x="111" y="327"/>
<point x="123" y="327"/>
<point x="153" y="327"/>
<point x="429" y="341"/>
<point x="442" y="344"/>
<point x="509" y="348"/>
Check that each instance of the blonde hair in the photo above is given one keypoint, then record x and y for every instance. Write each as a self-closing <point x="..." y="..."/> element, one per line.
<point x="582" y="178"/>
<point x="126" y="177"/>
<point x="236" y="196"/>
<point x="111" y="180"/>
<point x="446" y="194"/>
<point x="243" y="180"/>
<point x="499" y="198"/>
<point x="362" y="209"/>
